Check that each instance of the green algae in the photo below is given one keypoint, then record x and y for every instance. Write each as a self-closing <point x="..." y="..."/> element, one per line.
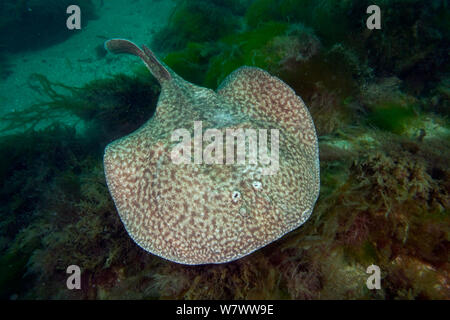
<point x="325" y="16"/>
<point x="392" y="117"/>
<point x="195" y="21"/>
<point x="191" y="63"/>
<point x="242" y="49"/>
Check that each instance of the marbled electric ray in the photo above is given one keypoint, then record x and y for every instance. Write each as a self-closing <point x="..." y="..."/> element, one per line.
<point x="212" y="213"/>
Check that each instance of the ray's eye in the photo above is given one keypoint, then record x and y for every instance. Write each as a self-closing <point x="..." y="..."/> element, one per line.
<point x="257" y="185"/>
<point x="235" y="196"/>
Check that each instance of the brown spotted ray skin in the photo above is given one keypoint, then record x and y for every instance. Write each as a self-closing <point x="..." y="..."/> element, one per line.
<point x="186" y="213"/>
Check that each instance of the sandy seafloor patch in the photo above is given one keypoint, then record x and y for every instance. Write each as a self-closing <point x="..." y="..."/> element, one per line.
<point x="74" y="62"/>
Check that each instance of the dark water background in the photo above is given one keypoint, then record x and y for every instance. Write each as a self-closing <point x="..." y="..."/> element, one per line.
<point x="379" y="100"/>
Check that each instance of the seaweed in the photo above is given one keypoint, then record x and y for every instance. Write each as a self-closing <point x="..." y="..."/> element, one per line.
<point x="191" y="63"/>
<point x="195" y="21"/>
<point x="241" y="49"/>
<point x="326" y="258"/>
<point x="413" y="44"/>
<point x="439" y="101"/>
<point x="14" y="264"/>
<point x="29" y="162"/>
<point x="326" y="17"/>
<point x="384" y="191"/>
<point x="393" y="188"/>
<point x="110" y="107"/>
<point x="389" y="108"/>
<point x="391" y="117"/>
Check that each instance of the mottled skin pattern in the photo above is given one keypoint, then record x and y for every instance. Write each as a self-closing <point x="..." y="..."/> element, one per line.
<point x="186" y="213"/>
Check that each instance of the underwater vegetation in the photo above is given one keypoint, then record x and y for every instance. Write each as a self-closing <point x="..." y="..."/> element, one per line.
<point x="423" y="28"/>
<point x="21" y="197"/>
<point x="26" y="24"/>
<point x="198" y="21"/>
<point x="389" y="207"/>
<point x="380" y="103"/>
<point x="112" y="106"/>
<point x="415" y="25"/>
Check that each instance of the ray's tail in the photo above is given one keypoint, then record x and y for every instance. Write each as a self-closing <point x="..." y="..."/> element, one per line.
<point x="147" y="56"/>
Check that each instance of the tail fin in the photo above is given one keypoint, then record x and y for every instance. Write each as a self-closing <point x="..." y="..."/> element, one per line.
<point x="125" y="46"/>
